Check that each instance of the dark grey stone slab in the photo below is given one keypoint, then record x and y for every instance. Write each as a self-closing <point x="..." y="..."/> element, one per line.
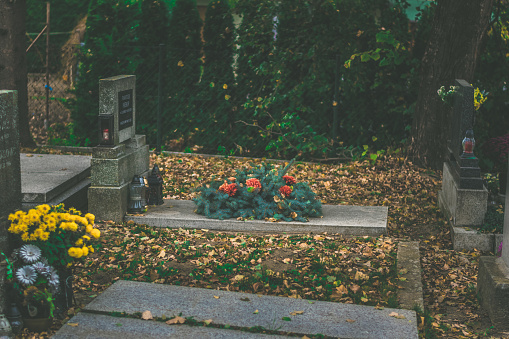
<point x="76" y="196"/>
<point x="45" y="176"/>
<point x="91" y="326"/>
<point x="463" y="115"/>
<point x="348" y="220"/>
<point x="237" y="309"/>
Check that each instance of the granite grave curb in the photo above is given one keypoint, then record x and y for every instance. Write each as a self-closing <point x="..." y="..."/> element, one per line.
<point x="346" y="220"/>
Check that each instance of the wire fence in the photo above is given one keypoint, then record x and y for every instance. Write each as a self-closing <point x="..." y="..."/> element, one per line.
<point x="181" y="104"/>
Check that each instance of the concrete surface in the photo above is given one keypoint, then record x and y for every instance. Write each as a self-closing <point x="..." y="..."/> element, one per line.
<point x="237" y="309"/>
<point x="409" y="267"/>
<point x="104" y="326"/>
<point x="347" y="220"/>
<point x="45" y="176"/>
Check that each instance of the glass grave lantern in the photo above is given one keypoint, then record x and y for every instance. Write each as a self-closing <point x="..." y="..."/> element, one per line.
<point x="136" y="196"/>
<point x="106" y="130"/>
<point x="155" y="187"/>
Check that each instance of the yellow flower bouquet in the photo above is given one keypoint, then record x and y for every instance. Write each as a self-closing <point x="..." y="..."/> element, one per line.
<point x="62" y="235"/>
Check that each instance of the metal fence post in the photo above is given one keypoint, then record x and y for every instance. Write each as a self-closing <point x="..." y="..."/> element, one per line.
<point x="160" y="98"/>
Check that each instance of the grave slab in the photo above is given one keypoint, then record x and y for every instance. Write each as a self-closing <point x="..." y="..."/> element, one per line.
<point x="45" y="176"/>
<point x="347" y="220"/>
<point x="102" y="326"/>
<point x="236" y="309"/>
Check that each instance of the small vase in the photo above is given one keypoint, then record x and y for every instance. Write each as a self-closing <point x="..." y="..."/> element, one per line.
<point x="38" y="324"/>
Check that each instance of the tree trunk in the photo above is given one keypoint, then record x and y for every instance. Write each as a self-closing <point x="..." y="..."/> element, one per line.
<point x="13" y="67"/>
<point x="455" y="41"/>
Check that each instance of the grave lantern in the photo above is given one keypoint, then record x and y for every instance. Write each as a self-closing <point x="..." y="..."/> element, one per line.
<point x="106" y="129"/>
<point x="468" y="144"/>
<point x="15" y="318"/>
<point x="136" y="192"/>
<point x="144" y="192"/>
<point x="155" y="187"/>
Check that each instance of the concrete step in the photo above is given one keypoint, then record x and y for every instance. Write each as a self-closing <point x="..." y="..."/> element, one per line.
<point x="347" y="220"/>
<point x="239" y="310"/>
<point x="52" y="179"/>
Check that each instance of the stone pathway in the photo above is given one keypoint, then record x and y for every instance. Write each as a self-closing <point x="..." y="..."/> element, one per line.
<point x="238" y="310"/>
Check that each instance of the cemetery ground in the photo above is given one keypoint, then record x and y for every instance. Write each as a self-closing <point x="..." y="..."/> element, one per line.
<point x="328" y="267"/>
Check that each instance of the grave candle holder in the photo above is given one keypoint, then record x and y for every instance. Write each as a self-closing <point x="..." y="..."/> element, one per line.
<point x="155" y="187"/>
<point x="136" y="192"/>
<point x="106" y="129"/>
<point x="468" y="145"/>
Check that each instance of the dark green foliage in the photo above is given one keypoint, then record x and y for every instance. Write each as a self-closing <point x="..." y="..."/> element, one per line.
<point x="153" y="30"/>
<point x="110" y="23"/>
<point x="184" y="66"/>
<point x="217" y="83"/>
<point x="259" y="203"/>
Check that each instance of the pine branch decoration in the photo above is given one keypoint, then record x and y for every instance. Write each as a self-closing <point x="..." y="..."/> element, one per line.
<point x="259" y="192"/>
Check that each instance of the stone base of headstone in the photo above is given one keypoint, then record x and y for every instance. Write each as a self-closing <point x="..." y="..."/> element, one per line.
<point x="466" y="207"/>
<point x="112" y="170"/>
<point x="493" y="290"/>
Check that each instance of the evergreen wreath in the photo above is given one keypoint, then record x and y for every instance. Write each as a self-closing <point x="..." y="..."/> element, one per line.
<point x="259" y="192"/>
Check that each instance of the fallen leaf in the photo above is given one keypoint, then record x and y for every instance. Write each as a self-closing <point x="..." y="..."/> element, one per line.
<point x="216" y="297"/>
<point x="176" y="320"/>
<point x="207" y="322"/>
<point x="296" y="312"/>
<point x="147" y="315"/>
<point x="350" y="320"/>
<point x="162" y="254"/>
<point x="396" y="315"/>
<point x="287" y="319"/>
<point x="73" y="324"/>
<point x="245" y="299"/>
<point x="255" y="312"/>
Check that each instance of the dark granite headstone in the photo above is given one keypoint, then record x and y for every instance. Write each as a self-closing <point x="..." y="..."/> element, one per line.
<point x="465" y="170"/>
<point x="463" y="116"/>
<point x="10" y="173"/>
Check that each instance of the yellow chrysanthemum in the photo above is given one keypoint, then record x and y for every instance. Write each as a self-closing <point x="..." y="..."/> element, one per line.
<point x="65" y="216"/>
<point x="72" y="252"/>
<point x="44" y="236"/>
<point x="79" y="242"/>
<point x="43" y="208"/>
<point x="90" y="249"/>
<point x="25" y="237"/>
<point x="89" y="228"/>
<point x="86" y="237"/>
<point x="33" y="237"/>
<point x="52" y="227"/>
<point x="72" y="226"/>
<point x="79" y="252"/>
<point x="33" y="216"/>
<point x="95" y="233"/>
<point x="64" y="226"/>
<point x="90" y="217"/>
<point x="23" y="227"/>
<point x="85" y="250"/>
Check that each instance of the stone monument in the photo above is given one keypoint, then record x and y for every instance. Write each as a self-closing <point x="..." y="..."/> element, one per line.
<point x="493" y="280"/>
<point x="463" y="197"/>
<point x="121" y="153"/>
<point x="10" y="174"/>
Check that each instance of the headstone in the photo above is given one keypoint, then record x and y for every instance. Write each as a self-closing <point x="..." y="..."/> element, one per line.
<point x="10" y="173"/>
<point x="117" y="100"/>
<point x="493" y="280"/>
<point x="462" y="117"/>
<point x="463" y="197"/>
<point x="114" y="166"/>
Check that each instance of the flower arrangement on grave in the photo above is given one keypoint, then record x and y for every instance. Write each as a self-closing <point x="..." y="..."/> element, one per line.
<point x="259" y="192"/>
<point x="61" y="235"/>
<point x="33" y="281"/>
<point x="447" y="96"/>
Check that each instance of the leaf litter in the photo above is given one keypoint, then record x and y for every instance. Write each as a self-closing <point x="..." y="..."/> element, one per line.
<point x="217" y="260"/>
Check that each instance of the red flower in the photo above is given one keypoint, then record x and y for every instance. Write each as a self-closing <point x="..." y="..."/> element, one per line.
<point x="289" y="179"/>
<point x="231" y="189"/>
<point x="253" y="182"/>
<point x="285" y="190"/>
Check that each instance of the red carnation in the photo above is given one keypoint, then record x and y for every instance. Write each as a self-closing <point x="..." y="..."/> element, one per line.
<point x="289" y="179"/>
<point x="253" y="182"/>
<point x="231" y="189"/>
<point x="285" y="190"/>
